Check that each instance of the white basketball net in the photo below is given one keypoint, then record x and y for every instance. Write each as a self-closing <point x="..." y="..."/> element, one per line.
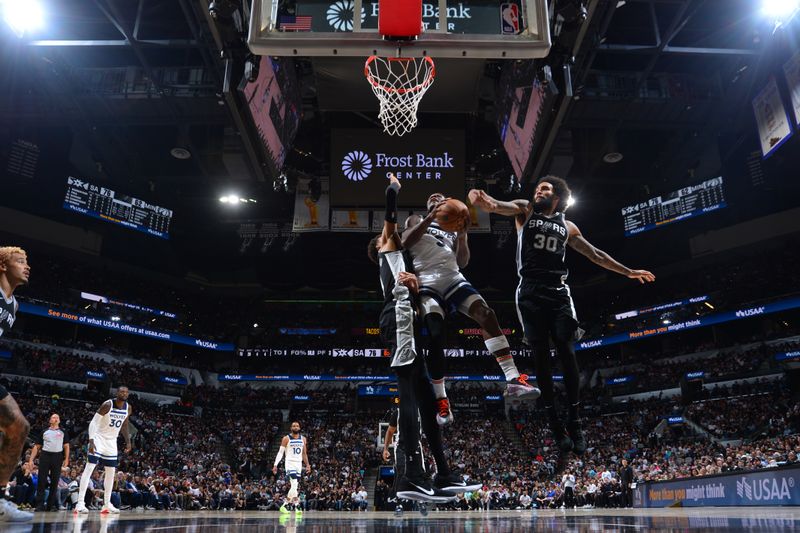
<point x="399" y="83"/>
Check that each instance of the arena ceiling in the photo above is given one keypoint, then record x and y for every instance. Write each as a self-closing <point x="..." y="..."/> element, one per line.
<point x="113" y="85"/>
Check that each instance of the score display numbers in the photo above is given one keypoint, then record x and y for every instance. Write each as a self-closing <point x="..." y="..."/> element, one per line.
<point x="678" y="205"/>
<point x="106" y="204"/>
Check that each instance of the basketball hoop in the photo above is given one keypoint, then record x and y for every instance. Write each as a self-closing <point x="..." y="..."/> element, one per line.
<point x="399" y="83"/>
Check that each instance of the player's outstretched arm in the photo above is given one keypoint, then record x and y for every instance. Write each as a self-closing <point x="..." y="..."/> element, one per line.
<point x="579" y="243"/>
<point x="483" y="201"/>
<point x="390" y="219"/>
<point x="416" y="226"/>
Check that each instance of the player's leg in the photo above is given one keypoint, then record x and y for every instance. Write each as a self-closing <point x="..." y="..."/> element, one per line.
<point x="108" y="487"/>
<point x="86" y="477"/>
<point x="467" y="300"/>
<point x="534" y="316"/>
<point x="15" y="430"/>
<point x="564" y="325"/>
<point x="433" y="317"/>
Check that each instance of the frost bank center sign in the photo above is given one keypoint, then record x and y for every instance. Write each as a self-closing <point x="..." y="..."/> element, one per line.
<point x="425" y="162"/>
<point x="768" y="487"/>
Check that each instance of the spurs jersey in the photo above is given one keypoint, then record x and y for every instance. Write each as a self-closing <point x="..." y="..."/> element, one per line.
<point x="111" y="423"/>
<point x="8" y="312"/>
<point x="435" y="255"/>
<point x="541" y="246"/>
<point x="294" y="453"/>
<point x="391" y="264"/>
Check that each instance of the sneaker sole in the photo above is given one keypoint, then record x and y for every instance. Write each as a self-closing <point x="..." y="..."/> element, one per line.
<point x="523" y="393"/>
<point x="414" y="495"/>
<point x="444" y="421"/>
<point x="460" y="489"/>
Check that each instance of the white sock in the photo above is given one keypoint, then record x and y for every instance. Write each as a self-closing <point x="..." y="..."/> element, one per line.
<point x="499" y="344"/>
<point x="84" y="484"/>
<point x="509" y="368"/>
<point x="108" y="484"/>
<point x="438" y="388"/>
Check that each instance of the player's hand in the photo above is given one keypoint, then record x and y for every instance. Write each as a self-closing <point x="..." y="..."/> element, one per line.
<point x="91" y="447"/>
<point x="128" y="448"/>
<point x="462" y="231"/>
<point x="275" y="470"/>
<point x="308" y="469"/>
<point x="394" y="179"/>
<point x="481" y="199"/>
<point x="643" y="276"/>
<point x="385" y="454"/>
<point x="409" y="280"/>
<point x="29" y="466"/>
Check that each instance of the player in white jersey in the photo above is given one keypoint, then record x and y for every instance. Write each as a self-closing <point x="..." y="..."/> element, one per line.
<point x="294" y="447"/>
<point x="106" y="425"/>
<point x="438" y="258"/>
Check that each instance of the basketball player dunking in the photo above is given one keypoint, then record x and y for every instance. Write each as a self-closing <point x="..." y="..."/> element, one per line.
<point x="108" y="422"/>
<point x="14" y="271"/>
<point x="295" y="447"/>
<point x="439" y="257"/>
<point x="397" y="325"/>
<point x="543" y="299"/>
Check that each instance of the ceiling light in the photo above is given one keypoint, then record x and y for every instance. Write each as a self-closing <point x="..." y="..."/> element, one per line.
<point x="571" y="201"/>
<point x="180" y="153"/>
<point x="255" y="324"/>
<point x="708" y="305"/>
<point x="666" y="321"/>
<point x="231" y="199"/>
<point x="779" y="9"/>
<point x="22" y="15"/>
<point x="612" y="157"/>
<point x="115" y="318"/>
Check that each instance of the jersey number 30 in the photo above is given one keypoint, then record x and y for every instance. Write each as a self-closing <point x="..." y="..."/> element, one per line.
<point x="548" y="243"/>
<point x="115" y="424"/>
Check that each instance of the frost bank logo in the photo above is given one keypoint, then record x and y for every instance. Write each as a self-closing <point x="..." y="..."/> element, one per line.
<point x="340" y="15"/>
<point x="356" y="165"/>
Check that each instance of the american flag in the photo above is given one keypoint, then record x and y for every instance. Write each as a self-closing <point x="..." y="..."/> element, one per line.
<point x="295" y="23"/>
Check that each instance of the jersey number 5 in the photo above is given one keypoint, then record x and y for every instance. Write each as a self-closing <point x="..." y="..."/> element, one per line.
<point x="548" y="243"/>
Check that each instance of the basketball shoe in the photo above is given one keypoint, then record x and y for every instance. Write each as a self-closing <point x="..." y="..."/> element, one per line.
<point x="520" y="388"/>
<point x="444" y="415"/>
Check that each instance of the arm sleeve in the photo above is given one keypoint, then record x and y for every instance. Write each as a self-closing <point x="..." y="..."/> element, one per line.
<point x="94" y="426"/>
<point x="278" y="458"/>
<point x="391" y="202"/>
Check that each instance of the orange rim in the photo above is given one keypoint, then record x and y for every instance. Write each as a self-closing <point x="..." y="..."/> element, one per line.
<point x="376" y="83"/>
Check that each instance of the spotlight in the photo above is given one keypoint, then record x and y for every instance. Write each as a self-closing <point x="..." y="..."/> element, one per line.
<point x="571" y="201"/>
<point x="232" y="199"/>
<point x="666" y="321"/>
<point x="779" y="9"/>
<point x="255" y="324"/>
<point x="115" y="319"/>
<point x="22" y="16"/>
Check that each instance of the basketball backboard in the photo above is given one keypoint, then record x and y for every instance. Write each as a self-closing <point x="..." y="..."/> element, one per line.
<point x="516" y="29"/>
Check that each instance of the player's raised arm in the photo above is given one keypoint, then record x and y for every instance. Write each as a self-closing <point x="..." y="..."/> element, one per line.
<point x="515" y="208"/>
<point x="390" y="237"/>
<point x="579" y="243"/>
<point x="416" y="226"/>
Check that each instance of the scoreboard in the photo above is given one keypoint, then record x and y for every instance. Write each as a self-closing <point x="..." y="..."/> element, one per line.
<point x="678" y="205"/>
<point x="106" y="204"/>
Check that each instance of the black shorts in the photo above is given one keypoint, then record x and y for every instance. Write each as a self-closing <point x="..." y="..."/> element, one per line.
<point x="546" y="312"/>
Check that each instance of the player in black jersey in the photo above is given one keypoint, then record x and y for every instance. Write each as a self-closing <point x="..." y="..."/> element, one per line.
<point x="14" y="271"/>
<point x="544" y="303"/>
<point x="397" y="325"/>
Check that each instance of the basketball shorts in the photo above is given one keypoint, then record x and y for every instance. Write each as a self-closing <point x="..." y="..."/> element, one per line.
<point x="294" y="471"/>
<point x="105" y="453"/>
<point x="397" y="331"/>
<point x="545" y="312"/>
<point x="449" y="294"/>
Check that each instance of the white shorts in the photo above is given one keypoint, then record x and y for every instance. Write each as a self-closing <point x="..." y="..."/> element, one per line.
<point x="105" y="452"/>
<point x="448" y="294"/>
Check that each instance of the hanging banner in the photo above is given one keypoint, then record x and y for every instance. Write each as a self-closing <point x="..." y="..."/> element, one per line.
<point x="402" y="217"/>
<point x="792" y="71"/>
<point x="350" y="220"/>
<point x="479" y="220"/>
<point x="771" y="118"/>
<point x="311" y="205"/>
<point x="502" y="229"/>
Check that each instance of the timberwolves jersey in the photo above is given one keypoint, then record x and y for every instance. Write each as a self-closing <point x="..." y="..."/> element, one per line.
<point x="111" y="422"/>
<point x="434" y="255"/>
<point x="294" y="453"/>
<point x="8" y="312"/>
<point x="541" y="244"/>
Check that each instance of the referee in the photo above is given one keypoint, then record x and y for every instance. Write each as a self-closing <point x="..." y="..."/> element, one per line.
<point x="54" y="445"/>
